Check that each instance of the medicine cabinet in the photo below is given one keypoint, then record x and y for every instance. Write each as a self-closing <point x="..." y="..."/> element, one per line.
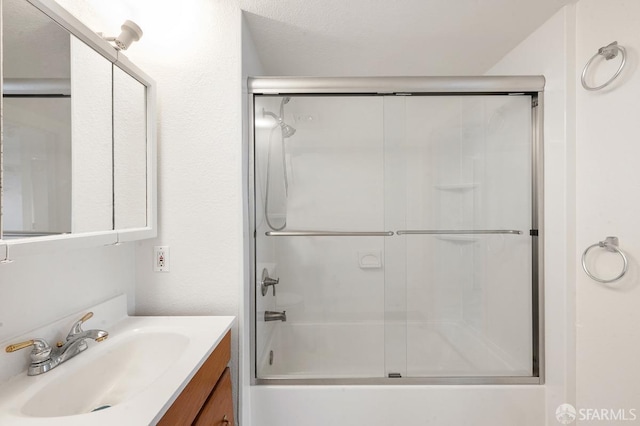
<point x="78" y="135"/>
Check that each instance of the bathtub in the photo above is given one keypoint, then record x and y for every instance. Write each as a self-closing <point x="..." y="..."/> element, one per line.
<point x="355" y="351"/>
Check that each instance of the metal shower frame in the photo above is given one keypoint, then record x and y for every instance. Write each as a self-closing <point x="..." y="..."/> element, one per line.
<point x="402" y="86"/>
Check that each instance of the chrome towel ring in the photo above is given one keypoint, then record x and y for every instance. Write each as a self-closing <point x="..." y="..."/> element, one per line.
<point x="609" y="52"/>
<point x="610" y="244"/>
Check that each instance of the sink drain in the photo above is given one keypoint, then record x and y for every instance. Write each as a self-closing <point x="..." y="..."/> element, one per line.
<point x="102" y="407"/>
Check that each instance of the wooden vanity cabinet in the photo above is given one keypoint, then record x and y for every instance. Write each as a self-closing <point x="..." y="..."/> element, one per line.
<point x="207" y="399"/>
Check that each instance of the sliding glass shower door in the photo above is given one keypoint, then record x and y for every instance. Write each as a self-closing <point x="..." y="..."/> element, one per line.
<point x="321" y="174"/>
<point x="395" y="237"/>
<point x="458" y="271"/>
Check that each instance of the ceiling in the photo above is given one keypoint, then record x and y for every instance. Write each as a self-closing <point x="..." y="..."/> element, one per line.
<point x="390" y="37"/>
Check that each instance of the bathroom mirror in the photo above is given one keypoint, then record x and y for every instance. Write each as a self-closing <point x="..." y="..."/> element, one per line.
<point x="37" y="130"/>
<point x="78" y="142"/>
<point x="129" y="151"/>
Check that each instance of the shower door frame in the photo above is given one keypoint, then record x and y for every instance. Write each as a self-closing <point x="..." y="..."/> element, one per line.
<point x="405" y="86"/>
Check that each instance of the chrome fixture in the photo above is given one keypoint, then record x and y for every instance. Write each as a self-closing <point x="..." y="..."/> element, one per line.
<point x="286" y="131"/>
<point x="45" y="358"/>
<point x="275" y="316"/>
<point x="130" y="32"/>
<point x="609" y="244"/>
<point x="387" y="233"/>
<point x="328" y="234"/>
<point x="456" y="232"/>
<point x="609" y="52"/>
<point x="6" y="259"/>
<point x="268" y="281"/>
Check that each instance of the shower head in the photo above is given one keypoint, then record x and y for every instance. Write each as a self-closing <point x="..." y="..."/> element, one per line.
<point x="287" y="130"/>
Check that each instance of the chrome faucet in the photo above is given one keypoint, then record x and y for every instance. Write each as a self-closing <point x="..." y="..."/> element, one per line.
<point x="275" y="316"/>
<point x="45" y="358"/>
<point x="268" y="281"/>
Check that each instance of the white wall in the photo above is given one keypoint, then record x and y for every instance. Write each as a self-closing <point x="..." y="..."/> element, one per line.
<point x="608" y="336"/>
<point x="549" y="51"/>
<point x="42" y="288"/>
<point x="251" y="66"/>
<point x="193" y="54"/>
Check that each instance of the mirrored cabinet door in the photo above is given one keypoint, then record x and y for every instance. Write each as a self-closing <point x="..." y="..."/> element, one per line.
<point x="92" y="139"/>
<point x="129" y="151"/>
<point x="75" y="145"/>
<point x="36" y="123"/>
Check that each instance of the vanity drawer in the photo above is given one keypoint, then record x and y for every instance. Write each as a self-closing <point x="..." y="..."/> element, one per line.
<point x="190" y="402"/>
<point x="218" y="410"/>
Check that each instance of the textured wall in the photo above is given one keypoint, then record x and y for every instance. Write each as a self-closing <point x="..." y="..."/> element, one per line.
<point x="38" y="289"/>
<point x="608" y="337"/>
<point x="549" y="51"/>
<point x="193" y="54"/>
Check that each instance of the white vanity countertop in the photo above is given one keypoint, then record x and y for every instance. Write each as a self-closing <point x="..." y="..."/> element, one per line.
<point x="139" y="394"/>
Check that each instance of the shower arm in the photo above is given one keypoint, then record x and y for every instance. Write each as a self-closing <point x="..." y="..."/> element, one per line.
<point x="278" y="119"/>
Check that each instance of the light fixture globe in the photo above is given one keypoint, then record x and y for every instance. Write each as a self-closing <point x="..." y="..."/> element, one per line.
<point x="130" y="32"/>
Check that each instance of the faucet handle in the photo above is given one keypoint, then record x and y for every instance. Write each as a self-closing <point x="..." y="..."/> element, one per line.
<point x="86" y="316"/>
<point x="41" y="349"/>
<point x="77" y="326"/>
<point x="21" y="345"/>
<point x="268" y="281"/>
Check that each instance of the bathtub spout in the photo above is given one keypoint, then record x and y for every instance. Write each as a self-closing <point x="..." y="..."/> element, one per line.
<point x="275" y="316"/>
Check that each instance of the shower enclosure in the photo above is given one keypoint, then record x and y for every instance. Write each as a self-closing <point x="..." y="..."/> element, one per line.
<point x="396" y="228"/>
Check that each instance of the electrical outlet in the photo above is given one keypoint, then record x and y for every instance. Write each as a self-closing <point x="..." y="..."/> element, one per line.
<point x="161" y="258"/>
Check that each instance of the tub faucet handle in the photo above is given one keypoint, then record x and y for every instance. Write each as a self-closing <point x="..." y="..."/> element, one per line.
<point x="268" y="281"/>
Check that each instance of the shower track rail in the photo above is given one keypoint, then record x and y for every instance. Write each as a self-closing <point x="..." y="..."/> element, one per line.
<point x="388" y="233"/>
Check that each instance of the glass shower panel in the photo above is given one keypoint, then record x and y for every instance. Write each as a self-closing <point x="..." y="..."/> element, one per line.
<point x="319" y="168"/>
<point x="461" y="168"/>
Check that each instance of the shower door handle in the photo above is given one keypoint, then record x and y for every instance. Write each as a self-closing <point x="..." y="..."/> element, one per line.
<point x="268" y="281"/>
<point x="328" y="234"/>
<point x="457" y="232"/>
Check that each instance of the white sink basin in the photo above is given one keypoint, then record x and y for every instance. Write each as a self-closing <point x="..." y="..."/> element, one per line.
<point x="120" y="371"/>
<point x="132" y="377"/>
